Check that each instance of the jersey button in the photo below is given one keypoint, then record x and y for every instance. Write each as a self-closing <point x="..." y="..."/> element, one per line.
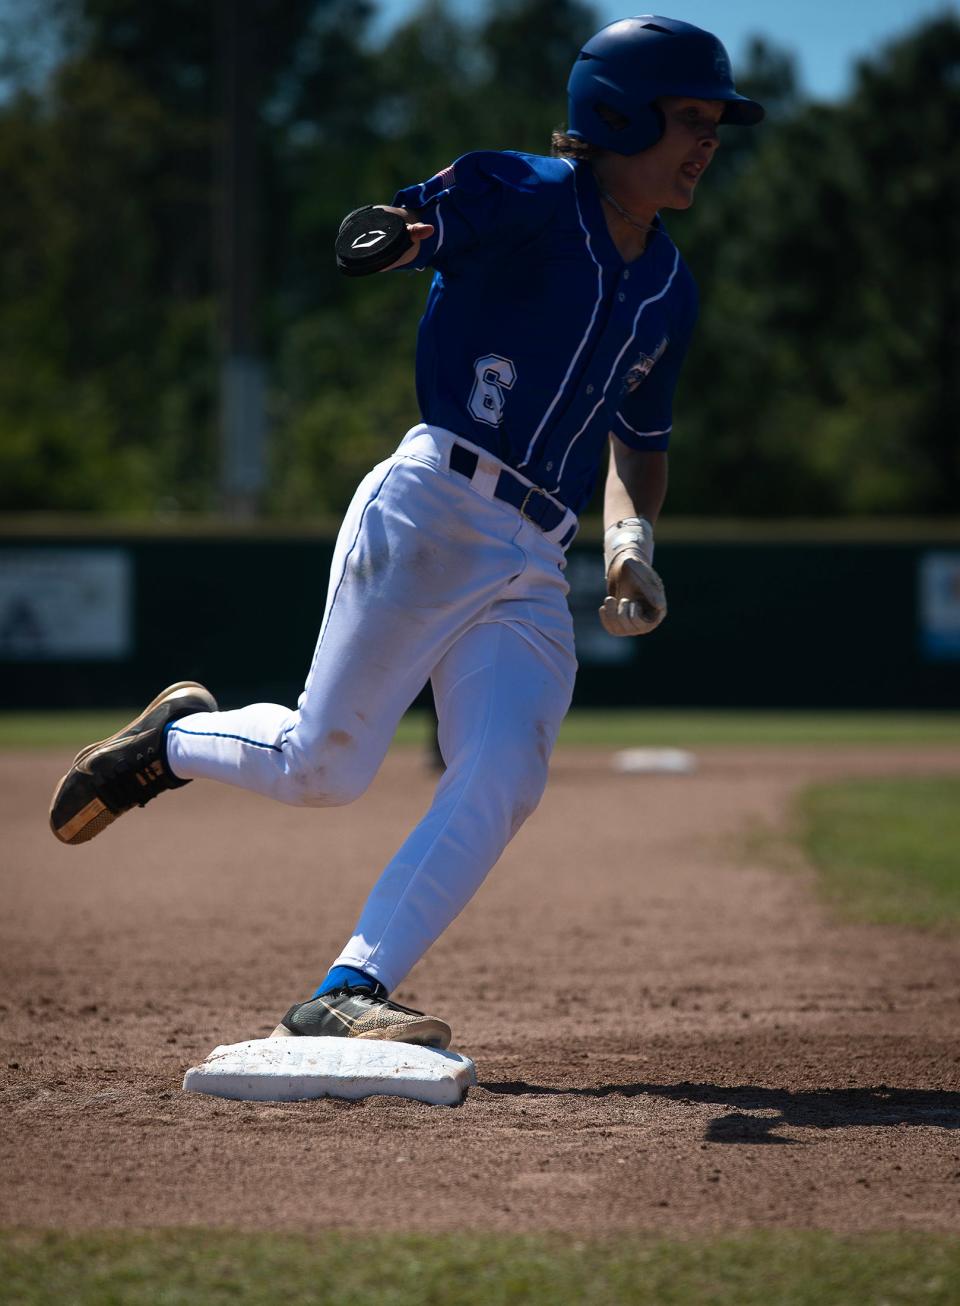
<point x="549" y="467"/>
<point x="621" y="296"/>
<point x="589" y="389"/>
<point x="626" y="275"/>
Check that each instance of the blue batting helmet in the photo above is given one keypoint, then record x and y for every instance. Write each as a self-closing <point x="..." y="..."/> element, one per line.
<point x="622" y="70"/>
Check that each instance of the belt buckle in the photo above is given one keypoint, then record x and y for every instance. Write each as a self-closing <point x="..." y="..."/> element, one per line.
<point x="534" y="489"/>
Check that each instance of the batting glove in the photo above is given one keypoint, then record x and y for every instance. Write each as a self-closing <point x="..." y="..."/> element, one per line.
<point x="635" y="602"/>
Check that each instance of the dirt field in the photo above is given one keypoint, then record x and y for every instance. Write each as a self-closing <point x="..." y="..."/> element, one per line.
<point x="668" y="1035"/>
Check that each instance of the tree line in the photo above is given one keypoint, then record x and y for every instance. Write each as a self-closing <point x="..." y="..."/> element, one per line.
<point x="824" y="378"/>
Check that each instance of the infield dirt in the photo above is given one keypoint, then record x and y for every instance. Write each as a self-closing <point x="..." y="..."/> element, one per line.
<point x="669" y="1034"/>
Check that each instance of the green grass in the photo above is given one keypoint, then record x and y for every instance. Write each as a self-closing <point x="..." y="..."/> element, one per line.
<point x="206" y="1268"/>
<point x="691" y="728"/>
<point x="603" y="729"/>
<point x="888" y="850"/>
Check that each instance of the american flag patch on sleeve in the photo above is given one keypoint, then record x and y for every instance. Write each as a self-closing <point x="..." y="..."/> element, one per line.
<point x="438" y="183"/>
<point x="445" y="179"/>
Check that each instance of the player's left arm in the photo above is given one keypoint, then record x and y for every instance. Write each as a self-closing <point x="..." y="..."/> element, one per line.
<point x="635" y="490"/>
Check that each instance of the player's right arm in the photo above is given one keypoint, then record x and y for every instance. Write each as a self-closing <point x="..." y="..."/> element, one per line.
<point x="416" y="230"/>
<point x="378" y="237"/>
<point x="481" y="205"/>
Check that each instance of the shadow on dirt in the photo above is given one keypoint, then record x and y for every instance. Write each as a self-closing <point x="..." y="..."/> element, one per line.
<point x="823" y="1108"/>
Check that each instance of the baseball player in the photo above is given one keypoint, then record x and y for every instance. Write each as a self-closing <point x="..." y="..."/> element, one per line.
<point x="557" y="319"/>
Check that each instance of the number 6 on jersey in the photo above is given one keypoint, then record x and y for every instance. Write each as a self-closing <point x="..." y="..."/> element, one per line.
<point x="494" y="375"/>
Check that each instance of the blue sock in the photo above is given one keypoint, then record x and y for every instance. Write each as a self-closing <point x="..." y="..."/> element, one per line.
<point x="342" y="976"/>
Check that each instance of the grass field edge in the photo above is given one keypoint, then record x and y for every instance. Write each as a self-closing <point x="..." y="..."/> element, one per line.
<point x="750" y="1268"/>
<point x="585" y="727"/>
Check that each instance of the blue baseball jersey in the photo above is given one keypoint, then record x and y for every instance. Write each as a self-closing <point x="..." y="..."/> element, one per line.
<point x="538" y="339"/>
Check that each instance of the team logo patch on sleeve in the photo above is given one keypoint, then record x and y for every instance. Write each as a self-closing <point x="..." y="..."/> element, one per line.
<point x="640" y="369"/>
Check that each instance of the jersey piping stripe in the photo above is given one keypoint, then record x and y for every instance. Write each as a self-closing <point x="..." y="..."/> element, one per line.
<point x="218" y="734"/>
<point x="643" y="434"/>
<point x="616" y="363"/>
<point x="586" y="335"/>
<point x="433" y="199"/>
<point x="439" y="216"/>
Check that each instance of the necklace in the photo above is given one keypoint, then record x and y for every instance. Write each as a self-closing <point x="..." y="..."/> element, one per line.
<point x="627" y="217"/>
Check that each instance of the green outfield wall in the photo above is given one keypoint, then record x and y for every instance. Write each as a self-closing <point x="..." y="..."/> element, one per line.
<point x="790" y="619"/>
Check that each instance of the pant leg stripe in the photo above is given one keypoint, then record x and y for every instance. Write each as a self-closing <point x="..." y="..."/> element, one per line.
<point x="218" y="734"/>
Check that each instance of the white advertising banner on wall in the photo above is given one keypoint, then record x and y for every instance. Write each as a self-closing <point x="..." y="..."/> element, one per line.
<point x="59" y="605"/>
<point x="939" y="590"/>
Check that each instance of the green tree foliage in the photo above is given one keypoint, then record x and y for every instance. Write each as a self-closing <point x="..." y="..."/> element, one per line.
<point x="106" y="314"/>
<point x="108" y="273"/>
<point x="824" y="376"/>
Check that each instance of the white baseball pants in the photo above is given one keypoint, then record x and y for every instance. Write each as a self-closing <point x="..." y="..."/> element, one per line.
<point x="430" y="579"/>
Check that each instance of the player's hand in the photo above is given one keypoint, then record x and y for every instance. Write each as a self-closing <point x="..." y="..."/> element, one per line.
<point x="635" y="602"/>
<point x="416" y="230"/>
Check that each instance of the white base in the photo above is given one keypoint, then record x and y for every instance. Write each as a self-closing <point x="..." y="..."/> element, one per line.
<point x="645" y="761"/>
<point x="294" y="1069"/>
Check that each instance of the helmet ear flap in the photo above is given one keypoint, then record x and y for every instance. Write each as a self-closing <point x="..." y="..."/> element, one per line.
<point x="610" y="117"/>
<point x="649" y="124"/>
<point x="643" y="128"/>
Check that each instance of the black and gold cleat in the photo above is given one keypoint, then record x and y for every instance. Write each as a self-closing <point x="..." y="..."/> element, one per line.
<point x="125" y="771"/>
<point x="363" y="1012"/>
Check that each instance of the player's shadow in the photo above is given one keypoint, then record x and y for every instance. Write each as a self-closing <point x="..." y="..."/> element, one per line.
<point x="823" y="1108"/>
